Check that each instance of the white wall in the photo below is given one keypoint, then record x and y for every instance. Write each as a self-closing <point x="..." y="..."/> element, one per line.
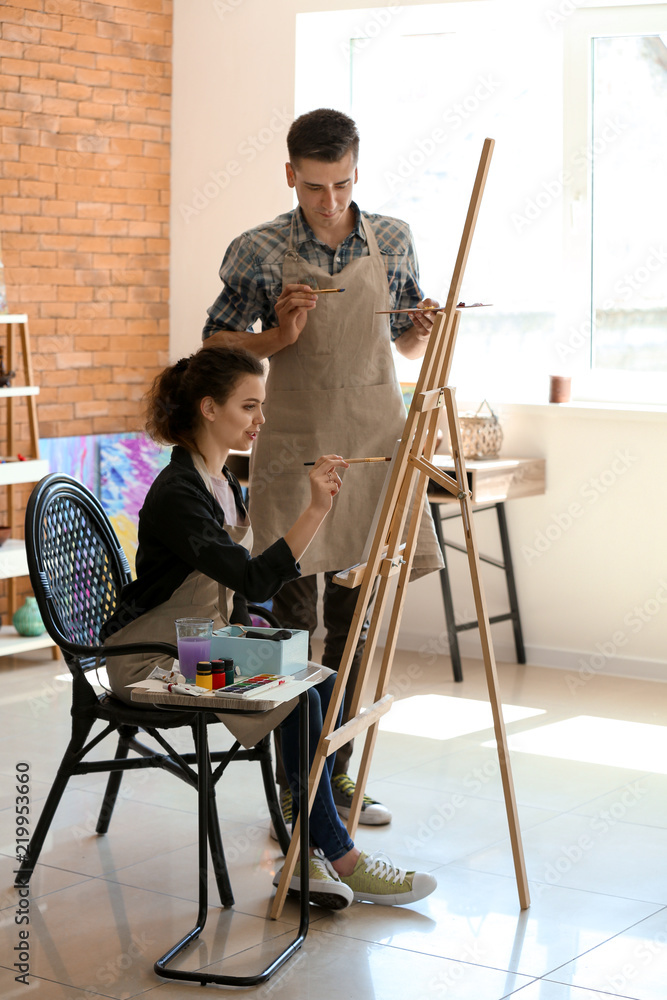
<point x="591" y="555"/>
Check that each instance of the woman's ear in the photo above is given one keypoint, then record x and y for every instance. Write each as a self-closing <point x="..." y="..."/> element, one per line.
<point x="207" y="408"/>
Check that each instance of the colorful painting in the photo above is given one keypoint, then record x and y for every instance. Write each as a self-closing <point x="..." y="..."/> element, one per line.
<point x="128" y="466"/>
<point x="75" y="457"/>
<point x="408" y="391"/>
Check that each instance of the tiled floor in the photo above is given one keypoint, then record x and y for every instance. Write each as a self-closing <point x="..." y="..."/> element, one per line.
<point x="591" y="783"/>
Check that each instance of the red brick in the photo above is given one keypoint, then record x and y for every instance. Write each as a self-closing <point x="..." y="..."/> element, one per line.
<point x="59" y="106"/>
<point x="75" y="359"/>
<point x="57" y="310"/>
<point x="8" y="83"/>
<point x="60" y="208"/>
<point x="37" y="189"/>
<point x="31" y="85"/>
<point x="76" y="293"/>
<point x="38" y="224"/>
<point x="58" y="71"/>
<point x="20" y="32"/>
<point x="56" y="411"/>
<point x="74" y="91"/>
<point x="21" y="136"/>
<point x="77" y="225"/>
<point x="79" y="25"/>
<point x="34" y="14"/>
<point x="38" y="258"/>
<point x="34" y="154"/>
<point x="94" y="210"/>
<point x="123" y="32"/>
<point x="23" y="102"/>
<point x="42" y="53"/>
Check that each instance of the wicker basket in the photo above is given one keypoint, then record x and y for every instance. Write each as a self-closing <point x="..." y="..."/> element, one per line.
<point x="481" y="434"/>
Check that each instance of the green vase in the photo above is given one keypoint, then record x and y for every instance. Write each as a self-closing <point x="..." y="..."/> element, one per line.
<point x="27" y="620"/>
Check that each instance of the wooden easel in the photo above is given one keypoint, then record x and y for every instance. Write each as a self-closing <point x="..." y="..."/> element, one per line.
<point x="402" y="506"/>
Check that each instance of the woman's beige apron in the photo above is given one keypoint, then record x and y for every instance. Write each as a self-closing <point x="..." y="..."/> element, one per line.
<point x="197" y="596"/>
<point x="334" y="391"/>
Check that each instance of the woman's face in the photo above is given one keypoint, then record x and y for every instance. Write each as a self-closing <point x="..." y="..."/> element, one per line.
<point x="236" y="423"/>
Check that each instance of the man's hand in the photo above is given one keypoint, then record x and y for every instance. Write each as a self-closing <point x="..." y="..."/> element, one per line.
<point x="423" y="321"/>
<point x="412" y="343"/>
<point x="292" y="310"/>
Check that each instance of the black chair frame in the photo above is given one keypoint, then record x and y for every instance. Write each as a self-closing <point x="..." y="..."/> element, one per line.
<point x="77" y="569"/>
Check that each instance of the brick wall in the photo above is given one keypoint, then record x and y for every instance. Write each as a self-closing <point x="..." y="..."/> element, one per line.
<point x="84" y="209"/>
<point x="84" y="201"/>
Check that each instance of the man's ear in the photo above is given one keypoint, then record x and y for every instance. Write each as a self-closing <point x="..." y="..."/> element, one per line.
<point x="291" y="176"/>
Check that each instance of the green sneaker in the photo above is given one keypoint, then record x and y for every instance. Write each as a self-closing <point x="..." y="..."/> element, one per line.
<point x="372" y="813"/>
<point x="376" y="880"/>
<point x="286" y="809"/>
<point x="324" y="885"/>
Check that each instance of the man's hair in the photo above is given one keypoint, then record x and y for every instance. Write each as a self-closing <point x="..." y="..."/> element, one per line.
<point x="323" y="134"/>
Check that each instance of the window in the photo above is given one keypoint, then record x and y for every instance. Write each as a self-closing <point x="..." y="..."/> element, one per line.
<point x="426" y="85"/>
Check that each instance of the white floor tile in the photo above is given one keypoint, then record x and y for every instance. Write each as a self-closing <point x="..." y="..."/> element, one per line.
<point x="594" y="835"/>
<point x="634" y="963"/>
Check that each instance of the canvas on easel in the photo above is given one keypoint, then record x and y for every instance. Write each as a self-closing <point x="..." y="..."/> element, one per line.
<point x="391" y="555"/>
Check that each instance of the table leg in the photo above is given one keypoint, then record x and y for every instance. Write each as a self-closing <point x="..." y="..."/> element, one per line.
<point x="511" y="585"/>
<point x="204" y="779"/>
<point x="447" y="598"/>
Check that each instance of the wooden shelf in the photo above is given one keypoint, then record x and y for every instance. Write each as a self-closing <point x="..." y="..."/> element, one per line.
<point x="14" y="471"/>
<point x="30" y="471"/>
<point x="13" y="560"/>
<point x="19" y="390"/>
<point x="12" y="642"/>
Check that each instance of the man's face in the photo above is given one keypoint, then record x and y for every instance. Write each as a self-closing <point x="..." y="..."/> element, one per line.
<point x="324" y="190"/>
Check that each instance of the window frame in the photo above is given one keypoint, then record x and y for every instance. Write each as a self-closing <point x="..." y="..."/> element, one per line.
<point x="575" y="328"/>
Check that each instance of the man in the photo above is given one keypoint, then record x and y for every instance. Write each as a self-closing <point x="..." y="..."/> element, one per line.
<point x="332" y="384"/>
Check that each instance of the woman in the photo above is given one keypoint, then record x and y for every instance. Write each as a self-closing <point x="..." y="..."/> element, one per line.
<point x="194" y="553"/>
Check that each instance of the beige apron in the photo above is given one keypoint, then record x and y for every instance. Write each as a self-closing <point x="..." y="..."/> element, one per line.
<point x="198" y="595"/>
<point x="334" y="391"/>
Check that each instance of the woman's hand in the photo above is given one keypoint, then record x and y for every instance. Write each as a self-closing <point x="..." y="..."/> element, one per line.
<point x="325" y="481"/>
<point x="324" y="485"/>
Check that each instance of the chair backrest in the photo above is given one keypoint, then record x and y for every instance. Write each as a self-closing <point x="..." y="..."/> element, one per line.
<point x="76" y="563"/>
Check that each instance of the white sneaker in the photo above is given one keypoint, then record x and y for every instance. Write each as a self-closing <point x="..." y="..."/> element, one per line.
<point x="372" y="813"/>
<point x="376" y="880"/>
<point x="324" y="885"/>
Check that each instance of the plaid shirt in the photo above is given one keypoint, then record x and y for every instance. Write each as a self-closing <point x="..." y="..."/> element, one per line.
<point x="253" y="264"/>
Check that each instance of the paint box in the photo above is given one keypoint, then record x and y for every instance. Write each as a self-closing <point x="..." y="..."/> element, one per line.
<point x="261" y="656"/>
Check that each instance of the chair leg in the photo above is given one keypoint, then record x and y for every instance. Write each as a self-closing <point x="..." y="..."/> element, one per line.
<point x="217" y="852"/>
<point x="271" y="792"/>
<point x="126" y="734"/>
<point x="80" y="730"/>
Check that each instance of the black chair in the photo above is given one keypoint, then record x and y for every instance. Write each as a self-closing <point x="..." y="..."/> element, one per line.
<point x="77" y="569"/>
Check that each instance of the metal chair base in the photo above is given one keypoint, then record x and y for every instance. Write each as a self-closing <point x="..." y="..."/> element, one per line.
<point x="204" y="783"/>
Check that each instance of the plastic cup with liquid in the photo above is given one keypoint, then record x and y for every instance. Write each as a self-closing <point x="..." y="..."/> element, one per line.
<point x="193" y="638"/>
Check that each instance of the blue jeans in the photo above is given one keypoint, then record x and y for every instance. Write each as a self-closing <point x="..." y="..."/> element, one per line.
<point x="326" y="830"/>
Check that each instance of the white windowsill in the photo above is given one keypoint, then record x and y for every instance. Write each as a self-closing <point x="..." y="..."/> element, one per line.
<point x="591" y="409"/>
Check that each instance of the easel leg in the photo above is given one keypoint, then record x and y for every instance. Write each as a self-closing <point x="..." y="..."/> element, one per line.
<point x="487" y="655"/>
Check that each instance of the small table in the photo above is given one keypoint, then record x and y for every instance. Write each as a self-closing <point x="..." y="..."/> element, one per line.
<point x="206" y="798"/>
<point x="491" y="482"/>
